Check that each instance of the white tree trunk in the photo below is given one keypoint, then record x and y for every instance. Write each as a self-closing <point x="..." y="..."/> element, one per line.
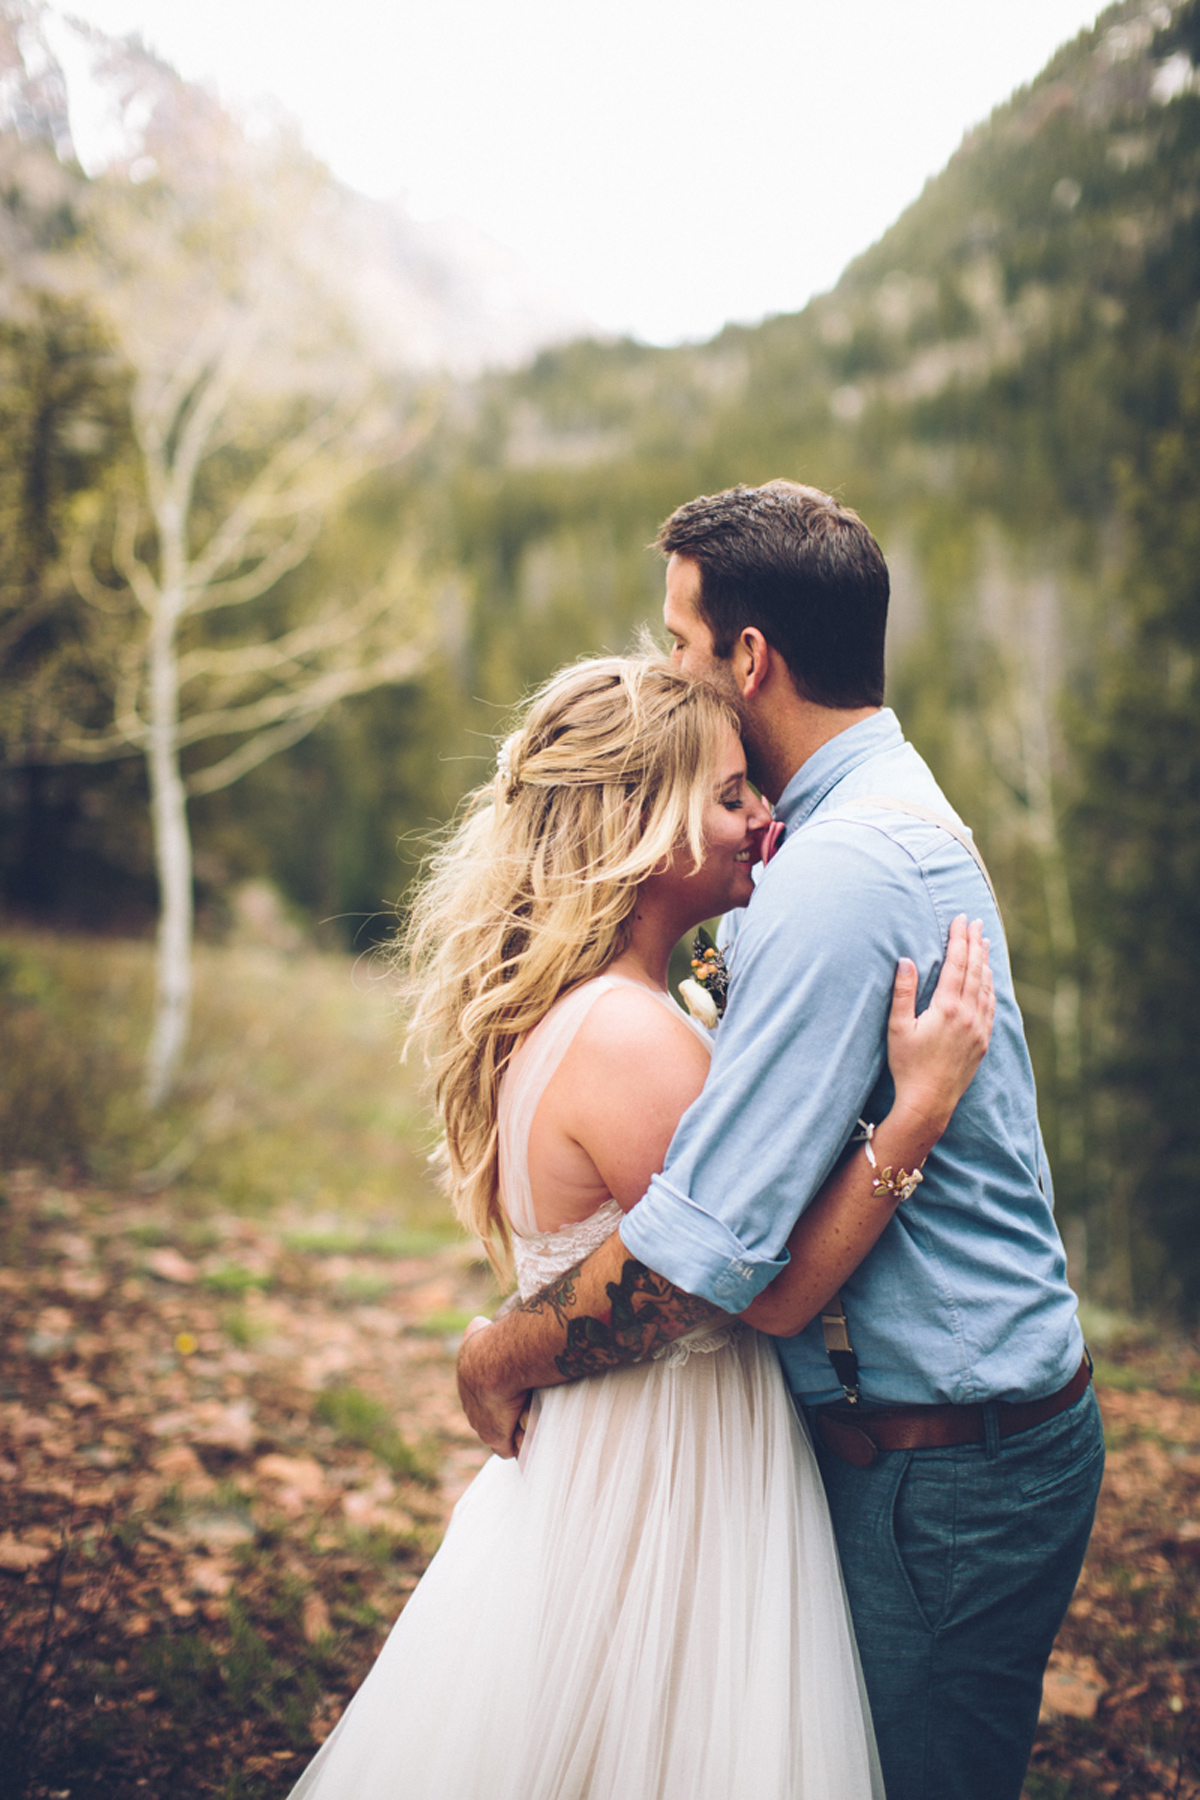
<point x="172" y="857"/>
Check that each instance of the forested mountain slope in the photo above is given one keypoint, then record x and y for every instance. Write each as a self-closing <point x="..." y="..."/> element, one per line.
<point x="1007" y="387"/>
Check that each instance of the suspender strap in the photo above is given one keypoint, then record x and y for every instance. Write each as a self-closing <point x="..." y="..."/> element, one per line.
<point x="839" y="1349"/>
<point x="885" y="803"/>
<point x="834" y="1328"/>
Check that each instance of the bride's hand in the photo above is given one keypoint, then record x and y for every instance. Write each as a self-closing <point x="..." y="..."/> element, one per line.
<point x="933" y="1057"/>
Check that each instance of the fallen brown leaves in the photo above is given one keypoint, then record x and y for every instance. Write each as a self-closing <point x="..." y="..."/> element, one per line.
<point x="1121" y="1702"/>
<point x="225" y="1458"/>
<point x="228" y="1449"/>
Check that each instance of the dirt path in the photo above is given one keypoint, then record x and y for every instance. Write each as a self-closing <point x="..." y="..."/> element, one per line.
<point x="228" y="1449"/>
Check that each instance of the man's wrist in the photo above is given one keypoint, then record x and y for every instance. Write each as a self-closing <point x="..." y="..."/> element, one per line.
<point x="485" y="1360"/>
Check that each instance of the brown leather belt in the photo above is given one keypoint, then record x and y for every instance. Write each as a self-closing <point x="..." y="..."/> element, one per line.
<point x="858" y="1436"/>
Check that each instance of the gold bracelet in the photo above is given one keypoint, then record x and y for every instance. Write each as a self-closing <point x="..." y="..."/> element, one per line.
<point x="898" y="1184"/>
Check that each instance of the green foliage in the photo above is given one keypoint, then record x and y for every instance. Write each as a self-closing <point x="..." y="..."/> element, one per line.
<point x="1005" y="385"/>
<point x="185" y="1671"/>
<point x="350" y="1240"/>
<point x="1139" y="829"/>
<point x="356" y="1418"/>
<point x="234" y="1281"/>
<point x="449" y="1322"/>
<point x="64" y="1089"/>
<point x="296" y="1097"/>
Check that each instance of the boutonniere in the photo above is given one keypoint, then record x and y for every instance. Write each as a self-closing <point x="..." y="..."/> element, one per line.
<point x="704" y="995"/>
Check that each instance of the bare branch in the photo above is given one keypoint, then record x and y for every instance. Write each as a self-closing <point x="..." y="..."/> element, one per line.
<point x="265" y="743"/>
<point x="101" y="746"/>
<point x="320" y="692"/>
<point x="79" y="561"/>
<point x="127" y="718"/>
<point x="23" y="620"/>
<point x="277" y="493"/>
<point x="334" y="627"/>
<point x="257" y="750"/>
<point x="269" y="495"/>
<point x="210" y="403"/>
<point x="236" y="590"/>
<point x="164" y="402"/>
<point x="126" y="560"/>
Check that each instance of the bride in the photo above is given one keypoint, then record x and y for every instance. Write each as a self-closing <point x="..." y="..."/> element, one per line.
<point x="647" y="1603"/>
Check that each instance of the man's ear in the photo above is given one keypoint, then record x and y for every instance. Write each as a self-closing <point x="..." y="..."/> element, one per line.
<point x="751" y="661"/>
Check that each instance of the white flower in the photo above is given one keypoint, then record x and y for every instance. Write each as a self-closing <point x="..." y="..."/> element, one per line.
<point x="699" y="1003"/>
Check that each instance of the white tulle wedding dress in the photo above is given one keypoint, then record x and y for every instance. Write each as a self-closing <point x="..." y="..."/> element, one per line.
<point x="647" y="1605"/>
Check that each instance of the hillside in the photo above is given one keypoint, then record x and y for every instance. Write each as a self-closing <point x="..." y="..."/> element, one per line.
<point x="1002" y="385"/>
<point x="429" y="296"/>
<point x="1006" y="385"/>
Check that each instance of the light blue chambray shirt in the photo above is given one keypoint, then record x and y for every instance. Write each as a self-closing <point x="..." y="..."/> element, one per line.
<point x="964" y="1298"/>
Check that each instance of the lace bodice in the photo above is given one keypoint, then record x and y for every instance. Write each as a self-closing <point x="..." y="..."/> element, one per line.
<point x="540" y="1256"/>
<point x="545" y="1254"/>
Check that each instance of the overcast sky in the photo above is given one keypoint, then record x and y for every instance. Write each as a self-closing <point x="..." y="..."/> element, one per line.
<point x="667" y="166"/>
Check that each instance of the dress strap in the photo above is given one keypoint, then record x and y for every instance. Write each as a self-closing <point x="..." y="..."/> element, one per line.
<point x="528" y="1075"/>
<point x="524" y="1081"/>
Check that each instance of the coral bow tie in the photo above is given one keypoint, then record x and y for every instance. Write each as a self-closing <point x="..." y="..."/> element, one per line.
<point x="770" y="840"/>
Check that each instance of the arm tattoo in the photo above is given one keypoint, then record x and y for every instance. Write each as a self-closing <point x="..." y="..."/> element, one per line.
<point x="559" y="1296"/>
<point x="648" y="1312"/>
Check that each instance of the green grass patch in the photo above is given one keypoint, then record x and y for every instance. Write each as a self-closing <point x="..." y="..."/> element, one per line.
<point x="351" y="1240"/>
<point x="1114" y="1332"/>
<point x="292" y="1093"/>
<point x="1046" y="1787"/>
<point x="447" y="1323"/>
<point x="1116" y="1375"/>
<point x="235" y="1281"/>
<point x="378" y="1548"/>
<point x="150" y="1236"/>
<point x="242" y="1328"/>
<point x="359" y="1419"/>
<point x="184" y="1670"/>
<point x="362" y="1288"/>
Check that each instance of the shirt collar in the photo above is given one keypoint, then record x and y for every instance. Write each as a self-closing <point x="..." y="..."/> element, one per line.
<point x="815" y="780"/>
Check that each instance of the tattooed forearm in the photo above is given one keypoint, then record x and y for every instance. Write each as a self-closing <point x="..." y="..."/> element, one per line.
<point x="648" y="1312"/>
<point x="558" y="1298"/>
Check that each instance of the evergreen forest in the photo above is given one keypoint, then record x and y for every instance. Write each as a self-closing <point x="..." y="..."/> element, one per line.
<point x="1006" y="387"/>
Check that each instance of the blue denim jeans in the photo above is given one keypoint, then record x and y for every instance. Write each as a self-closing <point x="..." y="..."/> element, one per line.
<point x="960" y="1565"/>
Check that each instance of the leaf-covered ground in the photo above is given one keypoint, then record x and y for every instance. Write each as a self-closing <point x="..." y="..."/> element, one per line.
<point x="227" y="1451"/>
<point x="229" y="1447"/>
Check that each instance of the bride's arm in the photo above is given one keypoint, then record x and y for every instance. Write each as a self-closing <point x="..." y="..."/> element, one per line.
<point x="932" y="1061"/>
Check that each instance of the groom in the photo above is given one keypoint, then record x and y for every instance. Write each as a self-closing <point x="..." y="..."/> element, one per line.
<point x="958" y="1435"/>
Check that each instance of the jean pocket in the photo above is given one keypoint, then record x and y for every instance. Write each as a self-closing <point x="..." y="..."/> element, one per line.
<point x="1084" y="1467"/>
<point x="1067" y="1453"/>
<point x="923" y="1535"/>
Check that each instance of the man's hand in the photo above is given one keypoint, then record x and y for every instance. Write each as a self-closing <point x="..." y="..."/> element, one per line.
<point x="496" y="1417"/>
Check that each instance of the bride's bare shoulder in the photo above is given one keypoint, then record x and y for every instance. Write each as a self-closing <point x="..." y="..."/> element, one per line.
<point x="632" y="1034"/>
<point x="631" y="1072"/>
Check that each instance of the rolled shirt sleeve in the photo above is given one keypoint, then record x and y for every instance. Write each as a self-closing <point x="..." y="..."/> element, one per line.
<point x="798" y="1056"/>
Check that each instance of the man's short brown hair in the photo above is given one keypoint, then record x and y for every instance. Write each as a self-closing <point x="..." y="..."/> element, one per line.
<point x="804" y="571"/>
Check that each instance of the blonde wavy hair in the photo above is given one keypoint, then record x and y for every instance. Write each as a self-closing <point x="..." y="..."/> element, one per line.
<point x="606" y="776"/>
